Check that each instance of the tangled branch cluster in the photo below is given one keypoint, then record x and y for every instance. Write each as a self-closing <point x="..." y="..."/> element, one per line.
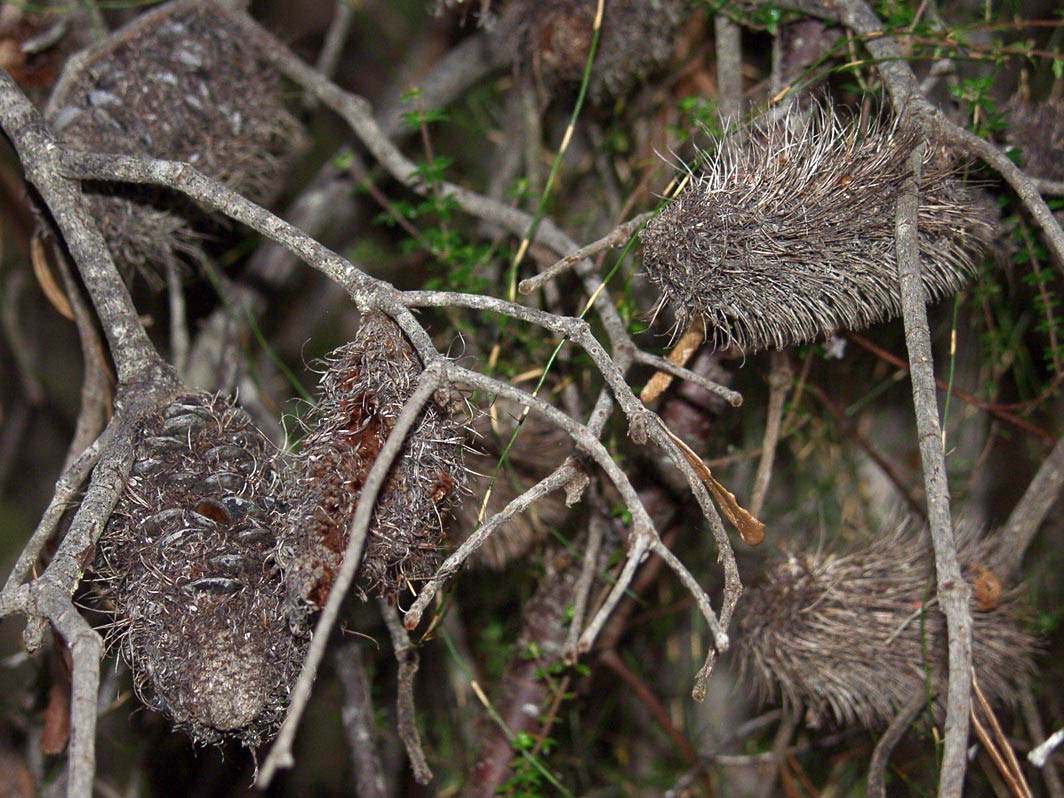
<point x="217" y="551"/>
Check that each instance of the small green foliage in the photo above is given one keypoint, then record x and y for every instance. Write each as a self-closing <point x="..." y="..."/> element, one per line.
<point x="976" y="94"/>
<point x="699" y="114"/>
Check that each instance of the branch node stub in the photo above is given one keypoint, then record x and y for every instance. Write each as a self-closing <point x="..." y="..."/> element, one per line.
<point x="575" y="487"/>
<point x="34" y="635"/>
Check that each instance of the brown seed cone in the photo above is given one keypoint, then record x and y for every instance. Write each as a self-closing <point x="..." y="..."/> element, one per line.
<point x="180" y="84"/>
<point x="787" y="234"/>
<point x="844" y="635"/>
<point x="553" y="38"/>
<point x="365" y="387"/>
<point x="200" y="611"/>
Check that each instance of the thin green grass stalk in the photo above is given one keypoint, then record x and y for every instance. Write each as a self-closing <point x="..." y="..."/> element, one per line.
<point x="952" y="367"/>
<point x="256" y="331"/>
<point x="556" y="165"/>
<point x="533" y="760"/>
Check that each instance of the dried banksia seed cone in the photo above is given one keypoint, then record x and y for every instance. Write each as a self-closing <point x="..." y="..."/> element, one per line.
<point x="365" y="386"/>
<point x="180" y="83"/>
<point x="788" y="234"/>
<point x="554" y="39"/>
<point x="845" y="635"/>
<point x="200" y="608"/>
<point x="1038" y="130"/>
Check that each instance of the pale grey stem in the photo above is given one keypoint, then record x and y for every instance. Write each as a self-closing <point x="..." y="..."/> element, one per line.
<point x="1033" y="718"/>
<point x="1029" y="513"/>
<point x="335" y="39"/>
<point x="1052" y="187"/>
<point x="462" y="67"/>
<point x="406" y="657"/>
<point x="728" y="38"/>
<point x="358" y="720"/>
<point x="615" y="238"/>
<point x="877" y="768"/>
<point x="555" y="481"/>
<point x="582" y="591"/>
<point x="779" y="382"/>
<point x="953" y="591"/>
<point x="734" y="398"/>
<point x="639" y="544"/>
<point x="280" y="755"/>
<point x="96" y="385"/>
<point x="67" y="489"/>
<point x="720" y="637"/>
<point x="766" y="786"/>
<point x="179" y="337"/>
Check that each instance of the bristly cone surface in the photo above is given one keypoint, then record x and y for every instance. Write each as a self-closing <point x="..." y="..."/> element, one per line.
<point x="365" y="386"/>
<point x="553" y="39"/>
<point x="200" y="610"/>
<point x="787" y="234"/>
<point x="180" y="84"/>
<point x="845" y="635"/>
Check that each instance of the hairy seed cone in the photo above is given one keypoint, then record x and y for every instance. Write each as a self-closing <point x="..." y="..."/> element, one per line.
<point x="188" y="558"/>
<point x="180" y="84"/>
<point x="788" y="234"/>
<point x="845" y="635"/>
<point x="365" y="387"/>
<point x="553" y="38"/>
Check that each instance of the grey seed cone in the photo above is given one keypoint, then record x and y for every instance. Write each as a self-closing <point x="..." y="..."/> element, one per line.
<point x="788" y="234"/>
<point x="553" y="38"/>
<point x="365" y="387"/>
<point x="844" y="635"/>
<point x="200" y="610"/>
<point x="179" y="83"/>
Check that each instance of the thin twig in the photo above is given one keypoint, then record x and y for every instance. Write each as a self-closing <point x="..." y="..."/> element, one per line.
<point x="280" y="755"/>
<point x="953" y="590"/>
<point x="615" y="238"/>
<point x="888" y="741"/>
<point x="1037" y="732"/>
<point x="596" y="533"/>
<point x="766" y="786"/>
<point x="1029" y="513"/>
<point x="407" y="657"/>
<point x="359" y="723"/>
<point x="779" y="382"/>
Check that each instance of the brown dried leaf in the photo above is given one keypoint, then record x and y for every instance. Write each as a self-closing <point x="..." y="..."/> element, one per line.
<point x="56" y="718"/>
<point x="46" y="279"/>
<point x="751" y="530"/>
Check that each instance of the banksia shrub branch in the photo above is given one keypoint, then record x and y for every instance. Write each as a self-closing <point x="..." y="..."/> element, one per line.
<point x="213" y="553"/>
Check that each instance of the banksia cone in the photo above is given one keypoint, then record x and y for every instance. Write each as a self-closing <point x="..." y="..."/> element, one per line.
<point x="554" y="39"/>
<point x="200" y="610"/>
<point x="365" y="387"/>
<point x="181" y="84"/>
<point x="788" y="234"/>
<point x="1038" y="130"/>
<point x="845" y="636"/>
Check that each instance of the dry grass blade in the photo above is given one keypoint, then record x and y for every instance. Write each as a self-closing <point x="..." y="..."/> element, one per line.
<point x="997" y="746"/>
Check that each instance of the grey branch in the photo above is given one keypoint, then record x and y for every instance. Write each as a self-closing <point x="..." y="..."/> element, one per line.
<point x="953" y="591"/>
